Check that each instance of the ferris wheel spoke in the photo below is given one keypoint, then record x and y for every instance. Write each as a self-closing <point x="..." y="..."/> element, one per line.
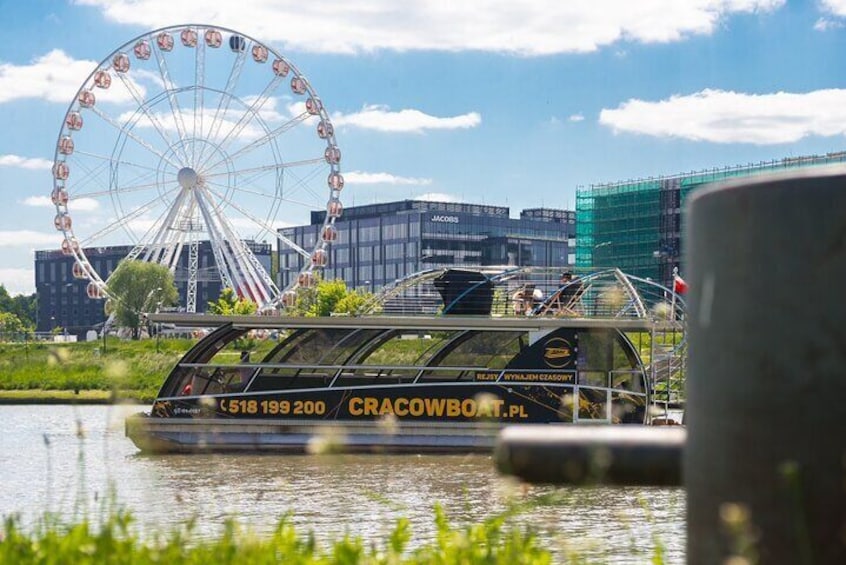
<point x="302" y="183"/>
<point x="250" y="113"/>
<point x="119" y="223"/>
<point x="260" y="142"/>
<point x="275" y="166"/>
<point x="223" y="257"/>
<point x="91" y="175"/>
<point x="245" y="266"/>
<point x="250" y="185"/>
<point x="171" y="97"/>
<point x="130" y="134"/>
<point x="151" y="117"/>
<point x="199" y="95"/>
<point x="167" y="227"/>
<point x="224" y="101"/>
<point x="240" y="189"/>
<point x="261" y="224"/>
<point x="122" y="190"/>
<point x="110" y="160"/>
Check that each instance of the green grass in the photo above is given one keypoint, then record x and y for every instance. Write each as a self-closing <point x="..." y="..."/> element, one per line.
<point x="126" y="370"/>
<point x="116" y="540"/>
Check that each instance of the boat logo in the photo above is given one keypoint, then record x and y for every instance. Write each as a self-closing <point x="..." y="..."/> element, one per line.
<point x="558" y="353"/>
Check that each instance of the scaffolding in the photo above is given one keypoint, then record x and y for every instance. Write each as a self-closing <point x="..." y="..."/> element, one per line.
<point x="636" y="225"/>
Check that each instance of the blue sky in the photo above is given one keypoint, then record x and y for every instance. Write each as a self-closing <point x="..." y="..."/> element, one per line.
<point x="494" y="101"/>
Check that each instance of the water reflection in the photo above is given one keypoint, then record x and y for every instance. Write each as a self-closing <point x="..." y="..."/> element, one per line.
<point x="330" y="494"/>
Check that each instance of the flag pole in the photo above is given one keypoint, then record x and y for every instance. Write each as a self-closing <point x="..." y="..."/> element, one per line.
<point x="673" y="299"/>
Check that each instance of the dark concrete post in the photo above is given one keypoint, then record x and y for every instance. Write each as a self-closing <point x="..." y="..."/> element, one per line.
<point x="765" y="461"/>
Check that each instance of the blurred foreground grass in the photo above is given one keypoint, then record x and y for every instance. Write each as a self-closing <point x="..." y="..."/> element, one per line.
<point x="115" y="540"/>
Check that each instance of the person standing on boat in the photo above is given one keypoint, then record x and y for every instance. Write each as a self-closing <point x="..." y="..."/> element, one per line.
<point x="571" y="291"/>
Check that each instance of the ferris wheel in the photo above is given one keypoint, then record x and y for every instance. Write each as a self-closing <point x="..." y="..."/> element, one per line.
<point x="196" y="135"/>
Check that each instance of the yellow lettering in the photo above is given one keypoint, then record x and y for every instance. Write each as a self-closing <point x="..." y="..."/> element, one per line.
<point x="453" y="407"/>
<point x="416" y="407"/>
<point x="435" y="406"/>
<point x="468" y="408"/>
<point x="386" y="407"/>
<point x="401" y="407"/>
<point x="354" y="406"/>
<point x="371" y="406"/>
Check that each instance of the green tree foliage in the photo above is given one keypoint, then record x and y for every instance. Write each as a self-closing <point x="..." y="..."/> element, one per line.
<point x="137" y="287"/>
<point x="328" y="297"/>
<point x="229" y="304"/>
<point x="22" y="306"/>
<point x="11" y="326"/>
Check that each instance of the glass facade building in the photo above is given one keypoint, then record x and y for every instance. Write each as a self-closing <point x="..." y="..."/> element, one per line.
<point x="381" y="243"/>
<point x="63" y="301"/>
<point x="636" y="225"/>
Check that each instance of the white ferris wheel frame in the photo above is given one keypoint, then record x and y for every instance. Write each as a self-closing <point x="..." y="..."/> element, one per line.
<point x="189" y="172"/>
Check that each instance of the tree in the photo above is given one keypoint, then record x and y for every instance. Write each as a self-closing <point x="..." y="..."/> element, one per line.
<point x="328" y="297"/>
<point x="10" y="326"/>
<point x="20" y="305"/>
<point x="138" y="287"/>
<point x="228" y="304"/>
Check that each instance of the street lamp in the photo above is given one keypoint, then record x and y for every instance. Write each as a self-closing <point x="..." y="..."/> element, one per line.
<point x="143" y="311"/>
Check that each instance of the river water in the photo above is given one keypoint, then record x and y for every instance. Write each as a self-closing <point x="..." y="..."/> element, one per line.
<point x="70" y="459"/>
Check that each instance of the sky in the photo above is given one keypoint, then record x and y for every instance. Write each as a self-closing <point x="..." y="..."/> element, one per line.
<point x="502" y="102"/>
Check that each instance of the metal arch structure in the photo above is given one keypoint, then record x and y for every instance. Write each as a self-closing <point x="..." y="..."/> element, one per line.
<point x="607" y="297"/>
<point x="607" y="293"/>
<point x="198" y="153"/>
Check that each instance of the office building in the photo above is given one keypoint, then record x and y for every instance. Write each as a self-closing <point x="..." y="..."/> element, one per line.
<point x="381" y="243"/>
<point x="63" y="301"/>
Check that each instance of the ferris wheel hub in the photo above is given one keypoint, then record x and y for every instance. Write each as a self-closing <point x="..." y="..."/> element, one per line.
<point x="187" y="177"/>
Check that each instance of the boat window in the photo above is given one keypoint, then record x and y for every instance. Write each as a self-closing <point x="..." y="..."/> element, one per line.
<point x="307" y="346"/>
<point x="627" y="408"/>
<point x="346" y="347"/>
<point x="627" y="380"/>
<point x="478" y="351"/>
<point x="600" y="351"/>
<point x="406" y="349"/>
<point x="593" y="404"/>
<point x="593" y="378"/>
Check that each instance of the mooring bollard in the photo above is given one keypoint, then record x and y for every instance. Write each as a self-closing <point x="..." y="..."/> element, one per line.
<point x="620" y="455"/>
<point x="766" y="388"/>
<point x="764" y="461"/>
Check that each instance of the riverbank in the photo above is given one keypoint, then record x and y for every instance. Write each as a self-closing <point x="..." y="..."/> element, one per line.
<point x="86" y="373"/>
<point x="40" y="396"/>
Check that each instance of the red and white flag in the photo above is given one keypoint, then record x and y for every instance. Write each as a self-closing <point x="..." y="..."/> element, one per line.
<point x="679" y="285"/>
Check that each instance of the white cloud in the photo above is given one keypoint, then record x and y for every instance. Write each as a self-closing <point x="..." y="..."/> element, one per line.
<point x="56" y="77"/>
<point x="18" y="281"/>
<point x="74" y="204"/>
<point x="825" y="24"/>
<point x="215" y="129"/>
<point x="438" y="197"/>
<point x="834" y="7"/>
<point x="30" y="238"/>
<point x="525" y="28"/>
<point x="380" y="118"/>
<point x="359" y="177"/>
<point x="733" y="117"/>
<point x="576" y="118"/>
<point x="32" y="163"/>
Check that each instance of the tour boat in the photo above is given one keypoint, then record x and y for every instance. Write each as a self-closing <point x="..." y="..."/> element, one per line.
<point x="438" y="362"/>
